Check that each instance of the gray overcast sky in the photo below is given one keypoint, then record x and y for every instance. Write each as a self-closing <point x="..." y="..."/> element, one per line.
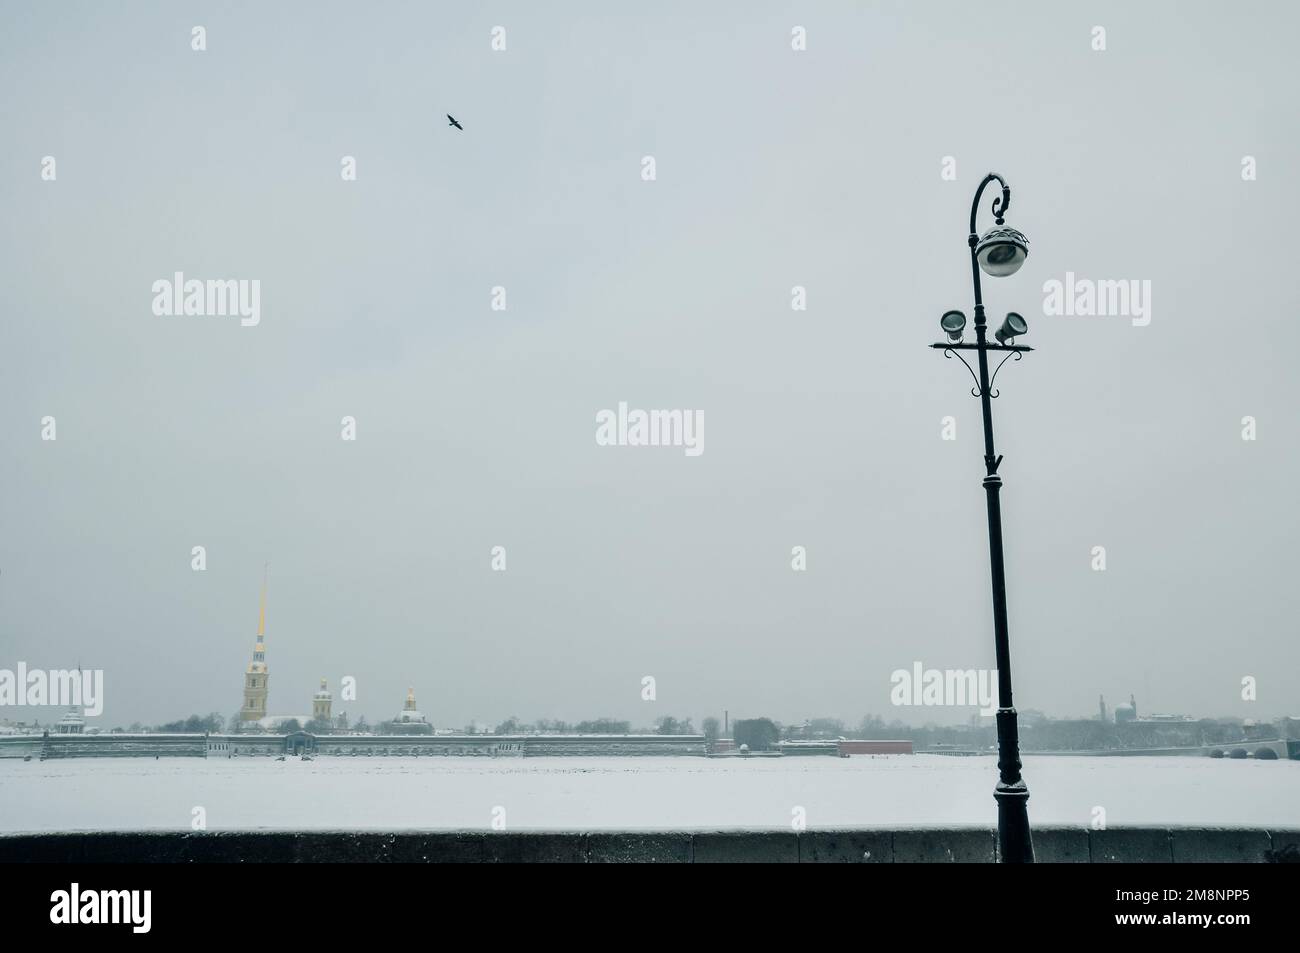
<point x="476" y="427"/>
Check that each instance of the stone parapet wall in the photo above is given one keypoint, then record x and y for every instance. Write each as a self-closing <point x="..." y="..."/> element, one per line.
<point x="948" y="845"/>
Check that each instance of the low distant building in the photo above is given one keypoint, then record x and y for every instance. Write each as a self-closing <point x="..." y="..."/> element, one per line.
<point x="1127" y="712"/>
<point x="796" y="748"/>
<point x="1289" y="729"/>
<point x="269" y="745"/>
<point x="280" y="722"/>
<point x="72" y="722"/>
<point x="1032" y="716"/>
<point x="858" y="746"/>
<point x="410" y="721"/>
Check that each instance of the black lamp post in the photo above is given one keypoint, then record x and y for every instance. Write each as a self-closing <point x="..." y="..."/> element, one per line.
<point x="1000" y="252"/>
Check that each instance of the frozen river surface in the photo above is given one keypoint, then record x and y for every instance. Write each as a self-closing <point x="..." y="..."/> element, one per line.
<point x="635" y="793"/>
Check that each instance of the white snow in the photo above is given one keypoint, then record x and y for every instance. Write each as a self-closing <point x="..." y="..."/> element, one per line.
<point x="635" y="793"/>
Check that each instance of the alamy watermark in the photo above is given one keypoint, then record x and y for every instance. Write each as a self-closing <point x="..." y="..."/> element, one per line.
<point x="1084" y="297"/>
<point x="63" y="688"/>
<point x="651" y="428"/>
<point x="75" y="905"/>
<point x="217" y="297"/>
<point x="945" y="687"/>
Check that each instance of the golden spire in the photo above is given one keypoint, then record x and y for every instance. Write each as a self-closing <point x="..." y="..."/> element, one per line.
<point x="259" y="650"/>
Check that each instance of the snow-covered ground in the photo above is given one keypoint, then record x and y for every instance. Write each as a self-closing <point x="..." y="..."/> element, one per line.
<point x="635" y="793"/>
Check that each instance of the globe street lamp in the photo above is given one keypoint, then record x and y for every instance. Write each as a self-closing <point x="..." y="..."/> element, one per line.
<point x="999" y="252"/>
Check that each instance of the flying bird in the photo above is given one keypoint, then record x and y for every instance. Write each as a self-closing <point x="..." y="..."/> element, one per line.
<point x="453" y="122"/>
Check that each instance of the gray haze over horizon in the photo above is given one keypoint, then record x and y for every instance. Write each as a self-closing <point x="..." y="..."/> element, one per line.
<point x="476" y="427"/>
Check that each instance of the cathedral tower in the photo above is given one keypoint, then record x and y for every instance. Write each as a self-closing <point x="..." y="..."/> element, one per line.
<point x="320" y="703"/>
<point x="255" y="676"/>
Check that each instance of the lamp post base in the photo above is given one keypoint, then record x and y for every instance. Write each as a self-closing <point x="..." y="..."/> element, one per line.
<point x="1015" y="844"/>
